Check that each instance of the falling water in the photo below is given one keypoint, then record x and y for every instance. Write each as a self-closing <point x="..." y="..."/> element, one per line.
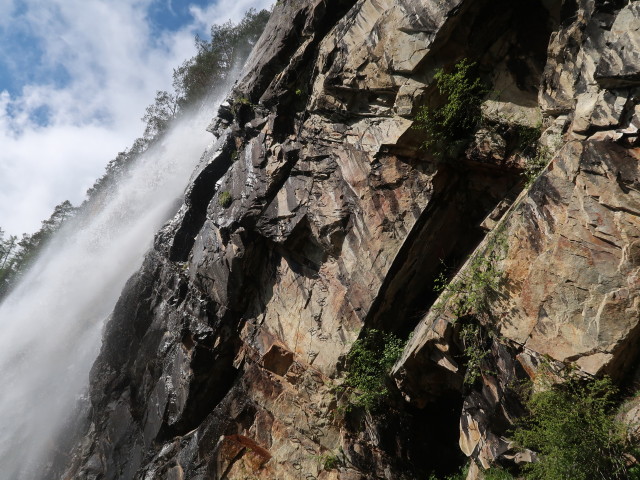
<point x="51" y="324"/>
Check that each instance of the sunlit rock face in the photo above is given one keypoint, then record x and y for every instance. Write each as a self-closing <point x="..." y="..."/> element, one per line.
<point x="573" y="262"/>
<point x="317" y="214"/>
<point x="570" y="292"/>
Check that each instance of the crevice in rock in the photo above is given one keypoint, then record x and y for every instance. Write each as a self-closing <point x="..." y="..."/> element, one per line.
<point x="450" y="225"/>
<point x="197" y="201"/>
<point x="626" y="356"/>
<point x="290" y="153"/>
<point x="214" y="369"/>
<point x="433" y="429"/>
<point x="304" y="255"/>
<point x="213" y="375"/>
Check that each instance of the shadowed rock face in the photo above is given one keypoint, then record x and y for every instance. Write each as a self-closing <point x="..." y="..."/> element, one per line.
<point x="317" y="214"/>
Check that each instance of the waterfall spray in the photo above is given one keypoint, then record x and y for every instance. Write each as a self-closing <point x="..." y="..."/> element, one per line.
<point x="52" y="322"/>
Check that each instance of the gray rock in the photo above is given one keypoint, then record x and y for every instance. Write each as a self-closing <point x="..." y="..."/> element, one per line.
<point x="619" y="65"/>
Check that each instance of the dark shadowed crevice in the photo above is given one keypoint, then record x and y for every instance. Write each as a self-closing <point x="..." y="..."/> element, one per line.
<point x="213" y="376"/>
<point x="415" y="442"/>
<point x="447" y="231"/>
<point x="430" y="429"/>
<point x="197" y="201"/>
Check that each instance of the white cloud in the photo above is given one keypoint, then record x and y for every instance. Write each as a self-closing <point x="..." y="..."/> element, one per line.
<point x="115" y="62"/>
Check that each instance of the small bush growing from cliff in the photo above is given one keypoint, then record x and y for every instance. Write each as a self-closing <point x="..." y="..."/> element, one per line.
<point x="225" y="199"/>
<point x="468" y="298"/>
<point x="368" y="365"/>
<point x="329" y="461"/>
<point x="536" y="164"/>
<point x="494" y="473"/>
<point x="527" y="139"/>
<point x="535" y="156"/>
<point x="449" y="128"/>
<point x="471" y="291"/>
<point x="473" y="340"/>
<point x="572" y="427"/>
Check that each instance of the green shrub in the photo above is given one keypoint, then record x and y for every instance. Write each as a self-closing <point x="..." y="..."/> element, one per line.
<point x="473" y="342"/>
<point x="368" y="364"/>
<point x="329" y="461"/>
<point x="496" y="473"/>
<point x="469" y="298"/>
<point x="528" y="147"/>
<point x="449" y="128"/>
<point x="225" y="199"/>
<point x="572" y="427"/>
<point x="460" y="475"/>
<point x="471" y="292"/>
<point x="526" y="138"/>
<point x="534" y="165"/>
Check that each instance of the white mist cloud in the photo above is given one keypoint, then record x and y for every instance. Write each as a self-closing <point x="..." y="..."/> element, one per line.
<point x="93" y="68"/>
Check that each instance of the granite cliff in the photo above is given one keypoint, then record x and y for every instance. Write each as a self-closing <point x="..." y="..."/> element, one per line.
<point x="317" y="216"/>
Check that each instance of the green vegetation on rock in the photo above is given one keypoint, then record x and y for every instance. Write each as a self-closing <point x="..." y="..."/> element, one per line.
<point x="470" y="293"/>
<point x="474" y="342"/>
<point x="368" y="364"/>
<point x="573" y="429"/>
<point x="535" y="155"/>
<point x="468" y="298"/>
<point x="225" y="199"/>
<point x="449" y="128"/>
<point x="460" y="475"/>
<point x="329" y="461"/>
<point x="534" y="165"/>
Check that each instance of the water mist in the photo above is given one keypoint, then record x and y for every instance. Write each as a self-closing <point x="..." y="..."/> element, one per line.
<point x="51" y="323"/>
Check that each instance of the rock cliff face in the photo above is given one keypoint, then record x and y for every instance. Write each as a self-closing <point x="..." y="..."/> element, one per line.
<point x="317" y="216"/>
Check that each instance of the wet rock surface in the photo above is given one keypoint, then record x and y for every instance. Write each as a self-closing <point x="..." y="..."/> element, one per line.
<point x="317" y="215"/>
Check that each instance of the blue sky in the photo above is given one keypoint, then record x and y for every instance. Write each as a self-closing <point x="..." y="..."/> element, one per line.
<point x="173" y="15"/>
<point x="75" y="78"/>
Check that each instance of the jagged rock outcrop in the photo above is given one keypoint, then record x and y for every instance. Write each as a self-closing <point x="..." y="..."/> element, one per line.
<point x="317" y="215"/>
